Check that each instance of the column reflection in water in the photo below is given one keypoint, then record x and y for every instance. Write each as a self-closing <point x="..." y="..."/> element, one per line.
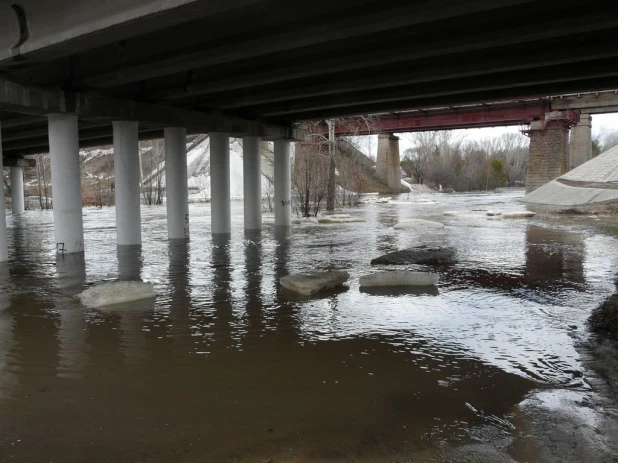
<point x="222" y="303"/>
<point x="179" y="297"/>
<point x="285" y="307"/>
<point x="386" y="239"/>
<point x="253" y="283"/>
<point x="72" y="326"/>
<point x="554" y="258"/>
<point x="132" y="314"/>
<point x="8" y="379"/>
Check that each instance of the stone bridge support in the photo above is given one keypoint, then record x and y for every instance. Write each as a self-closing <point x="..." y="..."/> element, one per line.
<point x="549" y="148"/>
<point x="580" y="142"/>
<point x="388" y="168"/>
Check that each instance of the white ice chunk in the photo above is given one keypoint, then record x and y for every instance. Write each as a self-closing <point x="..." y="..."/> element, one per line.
<point x="116" y="293"/>
<point x="494" y="213"/>
<point x="417" y="223"/>
<point x="400" y="278"/>
<point x="518" y="214"/>
<point x="340" y="218"/>
<point x="309" y="284"/>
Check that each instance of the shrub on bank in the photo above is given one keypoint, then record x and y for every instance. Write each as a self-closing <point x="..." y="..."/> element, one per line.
<point x="604" y="319"/>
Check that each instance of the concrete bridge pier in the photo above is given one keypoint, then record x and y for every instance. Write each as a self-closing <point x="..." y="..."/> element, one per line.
<point x="127" y="183"/>
<point x="17" y="190"/>
<point x="283" y="184"/>
<point x="580" y="142"/>
<point x="4" y="251"/>
<point x="252" y="183"/>
<point x="66" y="181"/>
<point x="176" y="188"/>
<point x="220" y="218"/>
<point x="548" y="157"/>
<point x="388" y="161"/>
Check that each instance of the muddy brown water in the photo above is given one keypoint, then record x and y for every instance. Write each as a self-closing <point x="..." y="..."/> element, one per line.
<point x="225" y="366"/>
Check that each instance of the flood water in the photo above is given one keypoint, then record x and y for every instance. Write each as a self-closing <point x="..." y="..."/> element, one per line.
<point x="225" y="366"/>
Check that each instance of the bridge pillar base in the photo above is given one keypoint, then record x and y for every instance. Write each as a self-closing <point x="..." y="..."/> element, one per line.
<point x="127" y="183"/>
<point x="66" y="183"/>
<point x="283" y="184"/>
<point x="176" y="189"/>
<point x="252" y="182"/>
<point x="17" y="190"/>
<point x="388" y="168"/>
<point x="580" y="142"/>
<point x="548" y="157"/>
<point x="220" y="207"/>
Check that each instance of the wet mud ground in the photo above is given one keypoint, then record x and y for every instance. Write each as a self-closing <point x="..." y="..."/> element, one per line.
<point x="496" y="365"/>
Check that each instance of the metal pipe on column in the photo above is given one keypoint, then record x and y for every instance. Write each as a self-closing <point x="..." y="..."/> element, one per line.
<point x="252" y="182"/>
<point x="176" y="188"/>
<point x="127" y="183"/>
<point x="221" y="218"/>
<point x="66" y="182"/>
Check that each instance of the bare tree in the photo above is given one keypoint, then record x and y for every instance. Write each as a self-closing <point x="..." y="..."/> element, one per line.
<point x="43" y="175"/>
<point x="310" y="177"/>
<point x="152" y="167"/>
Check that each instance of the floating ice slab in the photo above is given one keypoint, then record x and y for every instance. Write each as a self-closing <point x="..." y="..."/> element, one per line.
<point x="116" y="293"/>
<point x="518" y="215"/>
<point x="417" y="223"/>
<point x="494" y="213"/>
<point x="400" y="278"/>
<point x="305" y="220"/>
<point x="340" y="218"/>
<point x="312" y="283"/>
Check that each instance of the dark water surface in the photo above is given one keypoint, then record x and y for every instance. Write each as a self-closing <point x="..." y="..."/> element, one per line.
<point x="224" y="366"/>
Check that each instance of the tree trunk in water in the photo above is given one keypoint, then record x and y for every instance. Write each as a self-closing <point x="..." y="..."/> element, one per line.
<point x="330" y="194"/>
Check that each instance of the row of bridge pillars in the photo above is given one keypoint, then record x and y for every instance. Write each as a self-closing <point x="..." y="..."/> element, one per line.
<point x="66" y="184"/>
<point x="558" y="143"/>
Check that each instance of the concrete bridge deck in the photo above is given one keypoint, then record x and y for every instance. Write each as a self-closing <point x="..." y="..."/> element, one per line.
<point x="272" y="62"/>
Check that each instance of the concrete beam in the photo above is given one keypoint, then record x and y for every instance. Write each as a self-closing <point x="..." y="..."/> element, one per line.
<point x="374" y="21"/>
<point x="51" y="29"/>
<point x="22" y="99"/>
<point x="591" y="103"/>
<point x="18" y="162"/>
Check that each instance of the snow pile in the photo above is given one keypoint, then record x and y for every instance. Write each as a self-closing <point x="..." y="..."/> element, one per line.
<point x="400" y="278"/>
<point x="116" y="293"/>
<point x="411" y="224"/>
<point x="312" y="283"/>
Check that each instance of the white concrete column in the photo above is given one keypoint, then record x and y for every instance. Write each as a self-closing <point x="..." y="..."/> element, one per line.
<point x="127" y="182"/>
<point x="4" y="252"/>
<point x="17" y="190"/>
<point x="220" y="213"/>
<point x="66" y="182"/>
<point x="283" y="184"/>
<point x="252" y="182"/>
<point x="176" y="189"/>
